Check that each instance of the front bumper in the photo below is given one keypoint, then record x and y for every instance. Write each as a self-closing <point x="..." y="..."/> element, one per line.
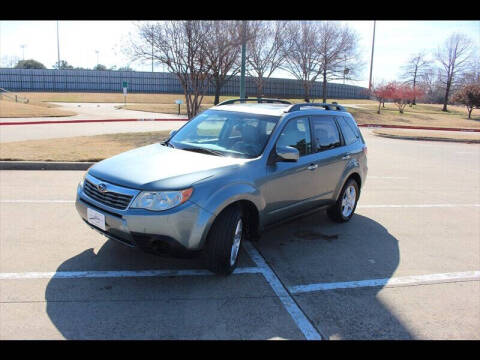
<point x="179" y="229"/>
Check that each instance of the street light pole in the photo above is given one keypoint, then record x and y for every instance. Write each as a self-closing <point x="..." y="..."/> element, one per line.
<point x="0" y="44"/>
<point x="371" y="60"/>
<point x="23" y="51"/>
<point x="96" y="51"/>
<point x="58" y="48"/>
<point x="244" y="50"/>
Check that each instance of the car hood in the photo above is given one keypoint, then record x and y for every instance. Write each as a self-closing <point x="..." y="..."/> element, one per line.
<point x="158" y="167"/>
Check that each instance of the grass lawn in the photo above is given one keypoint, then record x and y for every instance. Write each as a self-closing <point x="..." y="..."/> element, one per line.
<point x="418" y="115"/>
<point x="139" y="98"/>
<point x="85" y="97"/>
<point x="81" y="148"/>
<point x="172" y="108"/>
<point x="16" y="109"/>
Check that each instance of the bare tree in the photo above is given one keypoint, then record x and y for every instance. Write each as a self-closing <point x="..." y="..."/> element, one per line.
<point x="414" y="70"/>
<point x="181" y="46"/>
<point x="224" y="45"/>
<point x="300" y="53"/>
<point x="472" y="74"/>
<point x="9" y="61"/>
<point x="264" y="54"/>
<point x="431" y="85"/>
<point x="337" y="46"/>
<point x="453" y="58"/>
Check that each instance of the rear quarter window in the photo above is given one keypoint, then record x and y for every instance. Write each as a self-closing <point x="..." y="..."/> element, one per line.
<point x="353" y="125"/>
<point x="350" y="131"/>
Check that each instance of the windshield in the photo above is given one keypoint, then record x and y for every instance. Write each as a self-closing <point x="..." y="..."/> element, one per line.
<point x="226" y="133"/>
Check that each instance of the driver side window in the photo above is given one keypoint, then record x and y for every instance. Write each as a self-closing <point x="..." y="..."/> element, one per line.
<point x="297" y="134"/>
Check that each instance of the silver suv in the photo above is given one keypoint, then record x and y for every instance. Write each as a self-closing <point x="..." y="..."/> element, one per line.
<point x="225" y="175"/>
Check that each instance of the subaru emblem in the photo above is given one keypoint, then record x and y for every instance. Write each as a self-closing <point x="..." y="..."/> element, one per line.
<point x="102" y="187"/>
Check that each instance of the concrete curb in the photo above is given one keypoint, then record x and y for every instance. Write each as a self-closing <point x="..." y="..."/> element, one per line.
<point x="427" y="138"/>
<point x="44" y="165"/>
<point x="416" y="127"/>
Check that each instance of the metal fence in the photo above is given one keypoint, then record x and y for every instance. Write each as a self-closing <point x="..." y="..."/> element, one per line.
<point x="156" y="82"/>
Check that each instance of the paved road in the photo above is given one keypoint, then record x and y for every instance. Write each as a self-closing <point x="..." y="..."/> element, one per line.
<point x="96" y="111"/>
<point x="403" y="268"/>
<point x="87" y="111"/>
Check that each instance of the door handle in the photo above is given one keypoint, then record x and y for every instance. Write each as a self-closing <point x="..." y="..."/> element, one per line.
<point x="346" y="157"/>
<point x="312" y="166"/>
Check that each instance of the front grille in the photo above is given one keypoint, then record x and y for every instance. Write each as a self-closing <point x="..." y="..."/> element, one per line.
<point x="109" y="198"/>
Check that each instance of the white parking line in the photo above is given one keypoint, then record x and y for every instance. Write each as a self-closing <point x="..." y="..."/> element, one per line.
<point x="290" y="305"/>
<point x="118" y="274"/>
<point x="386" y="177"/>
<point x="37" y="201"/>
<point x="418" y="206"/>
<point x="389" y="282"/>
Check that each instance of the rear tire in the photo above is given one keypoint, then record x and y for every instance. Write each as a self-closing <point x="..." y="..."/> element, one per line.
<point x="224" y="241"/>
<point x="345" y="206"/>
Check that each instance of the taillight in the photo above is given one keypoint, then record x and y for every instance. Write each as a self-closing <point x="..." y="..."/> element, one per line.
<point x="365" y="150"/>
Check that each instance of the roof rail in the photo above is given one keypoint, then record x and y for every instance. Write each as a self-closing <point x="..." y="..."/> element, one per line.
<point x="258" y="100"/>
<point x="297" y="107"/>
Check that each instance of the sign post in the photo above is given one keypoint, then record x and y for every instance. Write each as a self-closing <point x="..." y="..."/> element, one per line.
<point x="178" y="102"/>
<point x="124" y="86"/>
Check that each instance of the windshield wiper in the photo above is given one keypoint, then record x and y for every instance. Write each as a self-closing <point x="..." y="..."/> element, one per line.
<point x="204" y="150"/>
<point x="168" y="143"/>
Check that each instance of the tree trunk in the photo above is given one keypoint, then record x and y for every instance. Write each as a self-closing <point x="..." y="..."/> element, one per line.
<point x="469" y="112"/>
<point x="379" y="103"/>
<point x="414" y="83"/>
<point x="324" y="87"/>
<point x="217" y="92"/>
<point x="306" y="87"/>
<point x="447" y="91"/>
<point x="259" y="87"/>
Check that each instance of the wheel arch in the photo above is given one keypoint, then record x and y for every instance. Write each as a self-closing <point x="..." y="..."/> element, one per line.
<point x="249" y="202"/>
<point x="353" y="175"/>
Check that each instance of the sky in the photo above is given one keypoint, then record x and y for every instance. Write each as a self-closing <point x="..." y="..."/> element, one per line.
<point x="395" y="42"/>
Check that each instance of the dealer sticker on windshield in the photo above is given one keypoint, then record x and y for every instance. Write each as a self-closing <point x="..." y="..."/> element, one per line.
<point x="95" y="218"/>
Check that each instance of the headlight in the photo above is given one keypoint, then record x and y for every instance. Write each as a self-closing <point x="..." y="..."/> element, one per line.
<point x="83" y="179"/>
<point x="161" y="200"/>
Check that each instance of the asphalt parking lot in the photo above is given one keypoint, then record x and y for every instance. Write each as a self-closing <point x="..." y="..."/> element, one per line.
<point x="407" y="266"/>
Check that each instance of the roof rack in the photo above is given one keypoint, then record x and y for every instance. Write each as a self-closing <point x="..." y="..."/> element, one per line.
<point x="335" y="106"/>
<point x="258" y="100"/>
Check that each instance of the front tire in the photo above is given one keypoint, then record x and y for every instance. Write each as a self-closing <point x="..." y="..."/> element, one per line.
<point x="344" y="207"/>
<point x="224" y="241"/>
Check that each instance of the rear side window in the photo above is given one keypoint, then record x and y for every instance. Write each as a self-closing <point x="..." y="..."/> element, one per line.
<point x="325" y="132"/>
<point x="349" y="132"/>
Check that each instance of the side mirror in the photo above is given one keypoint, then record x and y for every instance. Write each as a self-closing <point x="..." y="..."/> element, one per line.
<point x="287" y="153"/>
<point x="173" y="132"/>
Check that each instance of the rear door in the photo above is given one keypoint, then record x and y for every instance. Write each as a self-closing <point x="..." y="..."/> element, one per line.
<point x="330" y="156"/>
<point x="354" y="143"/>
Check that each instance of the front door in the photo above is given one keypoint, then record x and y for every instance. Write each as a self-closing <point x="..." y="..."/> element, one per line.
<point x="289" y="186"/>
